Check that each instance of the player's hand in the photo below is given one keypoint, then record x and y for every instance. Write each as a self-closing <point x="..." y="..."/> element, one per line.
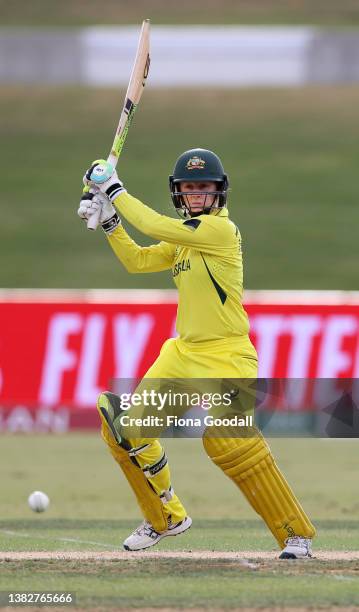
<point x="104" y="176"/>
<point x="92" y="202"/>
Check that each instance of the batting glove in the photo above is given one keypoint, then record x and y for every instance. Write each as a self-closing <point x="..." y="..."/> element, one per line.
<point x="104" y="176"/>
<point x="91" y="202"/>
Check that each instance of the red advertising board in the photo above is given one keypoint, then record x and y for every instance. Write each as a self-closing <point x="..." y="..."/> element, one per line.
<point x="60" y="349"/>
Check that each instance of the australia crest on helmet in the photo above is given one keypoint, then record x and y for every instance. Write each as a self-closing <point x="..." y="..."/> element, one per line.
<point x="195" y="163"/>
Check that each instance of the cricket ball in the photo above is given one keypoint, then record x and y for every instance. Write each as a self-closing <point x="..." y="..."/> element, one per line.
<point x="38" y="501"/>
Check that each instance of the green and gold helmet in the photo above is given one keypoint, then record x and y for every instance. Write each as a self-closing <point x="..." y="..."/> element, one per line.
<point x="198" y="165"/>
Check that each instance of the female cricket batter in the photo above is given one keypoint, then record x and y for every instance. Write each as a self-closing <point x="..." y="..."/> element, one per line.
<point x="203" y="249"/>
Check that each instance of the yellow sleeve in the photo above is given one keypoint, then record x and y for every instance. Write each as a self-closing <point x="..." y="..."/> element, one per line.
<point x="201" y="233"/>
<point x="135" y="258"/>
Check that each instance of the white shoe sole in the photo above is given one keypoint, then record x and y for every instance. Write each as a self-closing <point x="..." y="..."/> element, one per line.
<point x="186" y="524"/>
<point x="286" y="555"/>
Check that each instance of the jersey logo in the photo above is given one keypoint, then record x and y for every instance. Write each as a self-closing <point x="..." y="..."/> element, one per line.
<point x="181" y="266"/>
<point x="195" y="163"/>
<point x="192" y="223"/>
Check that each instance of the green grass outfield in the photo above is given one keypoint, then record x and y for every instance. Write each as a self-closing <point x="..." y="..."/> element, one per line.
<point x="292" y="156"/>
<point x="165" y="583"/>
<point x="92" y="511"/>
<point x="119" y="12"/>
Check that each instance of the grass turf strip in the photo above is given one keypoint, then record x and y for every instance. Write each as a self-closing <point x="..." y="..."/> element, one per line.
<point x="73" y="463"/>
<point x="120" y="12"/>
<point x="41" y="534"/>
<point x="185" y="583"/>
<point x="291" y="154"/>
<point x="70" y="476"/>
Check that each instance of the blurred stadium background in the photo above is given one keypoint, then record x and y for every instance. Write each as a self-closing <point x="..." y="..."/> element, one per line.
<point x="288" y="133"/>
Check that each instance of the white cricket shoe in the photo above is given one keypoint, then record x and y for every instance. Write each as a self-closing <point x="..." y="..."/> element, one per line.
<point x="145" y="535"/>
<point x="297" y="548"/>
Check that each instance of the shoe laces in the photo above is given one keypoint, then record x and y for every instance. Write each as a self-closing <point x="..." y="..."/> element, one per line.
<point x="296" y="541"/>
<point x="145" y="529"/>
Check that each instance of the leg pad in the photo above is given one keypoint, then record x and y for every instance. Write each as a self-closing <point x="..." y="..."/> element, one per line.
<point x="149" y="502"/>
<point x="249" y="463"/>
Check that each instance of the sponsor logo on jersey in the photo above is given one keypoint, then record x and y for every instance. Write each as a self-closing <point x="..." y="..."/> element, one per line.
<point x="195" y="163"/>
<point x="181" y="266"/>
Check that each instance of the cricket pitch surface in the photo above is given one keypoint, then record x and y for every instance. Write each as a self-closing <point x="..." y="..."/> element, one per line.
<point x="241" y="557"/>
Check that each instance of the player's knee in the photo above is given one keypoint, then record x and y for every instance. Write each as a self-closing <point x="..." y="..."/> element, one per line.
<point x="237" y="455"/>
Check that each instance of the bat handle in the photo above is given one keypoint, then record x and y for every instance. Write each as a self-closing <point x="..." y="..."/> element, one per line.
<point x="93" y="221"/>
<point x="113" y="159"/>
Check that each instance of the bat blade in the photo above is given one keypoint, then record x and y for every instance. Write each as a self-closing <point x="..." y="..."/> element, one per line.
<point x="133" y="95"/>
<point x="134" y="91"/>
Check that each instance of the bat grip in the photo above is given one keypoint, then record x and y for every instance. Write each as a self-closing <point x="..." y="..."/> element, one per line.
<point x="93" y="221"/>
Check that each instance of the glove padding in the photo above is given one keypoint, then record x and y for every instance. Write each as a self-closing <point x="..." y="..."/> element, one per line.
<point x="104" y="176"/>
<point x="90" y="203"/>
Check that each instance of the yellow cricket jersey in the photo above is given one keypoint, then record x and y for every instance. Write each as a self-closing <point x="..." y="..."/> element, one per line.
<point x="205" y="256"/>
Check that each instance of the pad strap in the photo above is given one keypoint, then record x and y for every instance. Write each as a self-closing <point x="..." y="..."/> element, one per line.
<point x="152" y="470"/>
<point x="167" y="495"/>
<point x="137" y="451"/>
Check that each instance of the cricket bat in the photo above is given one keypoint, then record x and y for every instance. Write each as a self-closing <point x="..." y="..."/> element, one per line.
<point x="133" y="95"/>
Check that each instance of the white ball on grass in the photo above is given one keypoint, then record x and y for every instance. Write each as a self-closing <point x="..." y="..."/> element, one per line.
<point x="38" y="501"/>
